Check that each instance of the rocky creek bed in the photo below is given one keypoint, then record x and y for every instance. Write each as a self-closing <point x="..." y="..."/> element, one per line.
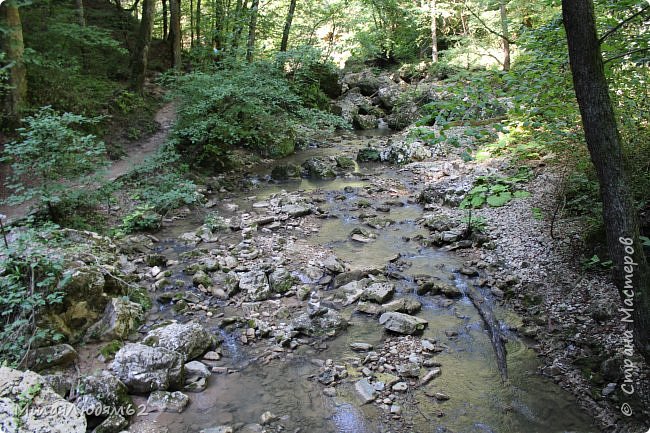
<point x="330" y="295"/>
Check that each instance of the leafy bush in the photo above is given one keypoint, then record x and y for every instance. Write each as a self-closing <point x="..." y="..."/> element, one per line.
<point x="53" y="158"/>
<point x="30" y="279"/>
<point x="143" y="218"/>
<point x="242" y="105"/>
<point x="495" y="191"/>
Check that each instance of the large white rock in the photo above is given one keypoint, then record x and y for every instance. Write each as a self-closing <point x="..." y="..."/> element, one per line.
<point x="27" y="404"/>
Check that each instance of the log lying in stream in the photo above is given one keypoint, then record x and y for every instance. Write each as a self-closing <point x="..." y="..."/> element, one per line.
<point x="493" y="329"/>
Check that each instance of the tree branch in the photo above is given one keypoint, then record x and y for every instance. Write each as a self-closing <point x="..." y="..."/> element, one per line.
<point x="638" y="50"/>
<point x="622" y="23"/>
<point x="487" y="27"/>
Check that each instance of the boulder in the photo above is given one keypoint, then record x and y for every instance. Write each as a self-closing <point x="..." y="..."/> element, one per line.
<point x="367" y="83"/>
<point x="402" y="323"/>
<point x="60" y="355"/>
<point x="254" y="285"/>
<point x="191" y="340"/>
<point x="228" y="281"/>
<point x="403" y="305"/>
<point x="365" y="121"/>
<point x="405" y="151"/>
<point x="320" y="168"/>
<point x="365" y="390"/>
<point x="144" y="369"/>
<point x="388" y="96"/>
<point x="164" y="401"/>
<point x="121" y="317"/>
<point x="369" y="154"/>
<point x="403" y="115"/>
<point x="323" y="321"/>
<point x="45" y="406"/>
<point x="281" y="280"/>
<point x="378" y="292"/>
<point x="114" y="423"/>
<point x="103" y="394"/>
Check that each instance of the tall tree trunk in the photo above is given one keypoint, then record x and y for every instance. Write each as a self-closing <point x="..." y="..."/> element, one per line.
<point x="506" y="37"/>
<point x="12" y="45"/>
<point x="80" y="13"/>
<point x="240" y="12"/>
<point x="198" y="21"/>
<point x="252" y="27"/>
<point x="165" y="19"/>
<point x="631" y="273"/>
<point x="141" y="54"/>
<point x="192" y="23"/>
<point x="219" y="22"/>
<point x="434" y="32"/>
<point x="175" y="32"/>
<point x="287" y="26"/>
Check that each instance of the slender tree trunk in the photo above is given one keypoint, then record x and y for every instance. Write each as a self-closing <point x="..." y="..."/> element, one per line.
<point x="287" y="26"/>
<point x="506" y="36"/>
<point x="240" y="12"/>
<point x="80" y="13"/>
<point x="219" y="29"/>
<point x="198" y="21"/>
<point x="165" y="19"/>
<point x="175" y="32"/>
<point x="192" y="23"/>
<point x="252" y="27"/>
<point x="12" y="44"/>
<point x="141" y="54"/>
<point x="434" y="32"/>
<point x="631" y="273"/>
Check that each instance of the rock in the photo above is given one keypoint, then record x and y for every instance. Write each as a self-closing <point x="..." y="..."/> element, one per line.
<point x="403" y="305"/>
<point x="144" y="369"/>
<point x="285" y="171"/>
<point x="200" y="278"/>
<point x="104" y="394"/>
<point x="329" y="392"/>
<point x="400" y="387"/>
<point x="378" y="292"/>
<point x="196" y="369"/>
<point x="365" y="121"/>
<point x="114" y="423"/>
<point x="320" y="168"/>
<point x="395" y="409"/>
<point x="388" y="96"/>
<point x="218" y="429"/>
<point x="369" y="154"/>
<point x="228" y="281"/>
<point x="189" y="339"/>
<point x="60" y="355"/>
<point x="281" y="280"/>
<point x="361" y="347"/>
<point x="365" y="390"/>
<point x="324" y="321"/>
<point x="351" y="292"/>
<point x="409" y="369"/>
<point x="370" y="308"/>
<point x="267" y="418"/>
<point x="295" y="210"/>
<point x="404" y="152"/>
<point x="355" y="275"/>
<point x="402" y="323"/>
<point x="121" y="318"/>
<point x="450" y="291"/>
<point x="432" y="374"/>
<point x="164" y="401"/>
<point x="255" y="285"/>
<point x="428" y="345"/>
<point x="332" y="264"/>
<point x="212" y="356"/>
<point x="403" y="115"/>
<point x="45" y="406"/>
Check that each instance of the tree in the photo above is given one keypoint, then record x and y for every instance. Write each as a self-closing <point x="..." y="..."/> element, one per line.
<point x="631" y="273"/>
<point x="434" y="32"/>
<point x="141" y="54"/>
<point x="505" y="37"/>
<point x="252" y="28"/>
<point x="287" y="26"/>
<point x="54" y="156"/>
<point x="165" y="19"/>
<point x="198" y="21"/>
<point x="80" y="13"/>
<point x="13" y="47"/>
<point x="175" y="32"/>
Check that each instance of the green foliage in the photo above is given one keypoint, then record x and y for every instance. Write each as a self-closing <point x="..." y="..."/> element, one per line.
<point x="143" y="218"/>
<point x="52" y="158"/>
<point x="496" y="191"/>
<point x="158" y="185"/>
<point x="214" y="222"/>
<point x="31" y="278"/>
<point x="241" y="105"/>
<point x="595" y="263"/>
<point x="475" y="223"/>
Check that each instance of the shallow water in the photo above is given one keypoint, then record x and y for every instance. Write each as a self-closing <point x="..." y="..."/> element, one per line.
<point x="480" y="401"/>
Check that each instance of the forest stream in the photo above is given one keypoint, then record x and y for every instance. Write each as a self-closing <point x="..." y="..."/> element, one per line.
<point x="255" y="376"/>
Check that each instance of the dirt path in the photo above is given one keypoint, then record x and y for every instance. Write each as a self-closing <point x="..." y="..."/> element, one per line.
<point x="136" y="153"/>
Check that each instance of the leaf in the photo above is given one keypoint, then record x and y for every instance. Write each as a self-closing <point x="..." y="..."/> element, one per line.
<point x="498" y="200"/>
<point x="521" y="194"/>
